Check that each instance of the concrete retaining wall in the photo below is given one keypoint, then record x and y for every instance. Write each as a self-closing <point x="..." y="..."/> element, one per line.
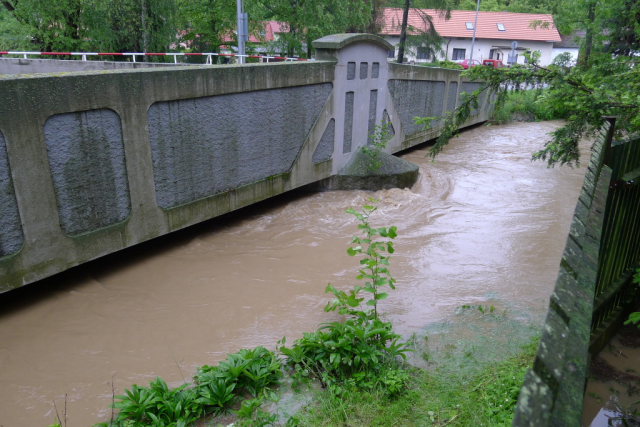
<point x="93" y="162"/>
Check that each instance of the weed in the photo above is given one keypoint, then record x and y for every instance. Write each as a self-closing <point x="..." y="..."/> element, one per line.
<point x="377" y="142"/>
<point x="360" y="352"/>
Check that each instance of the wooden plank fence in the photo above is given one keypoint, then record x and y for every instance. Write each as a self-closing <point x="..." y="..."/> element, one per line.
<point x="594" y="292"/>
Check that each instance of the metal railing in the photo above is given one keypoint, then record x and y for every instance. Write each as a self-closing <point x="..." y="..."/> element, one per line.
<point x="133" y="55"/>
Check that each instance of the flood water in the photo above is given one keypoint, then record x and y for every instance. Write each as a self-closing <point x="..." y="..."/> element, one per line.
<point x="483" y="223"/>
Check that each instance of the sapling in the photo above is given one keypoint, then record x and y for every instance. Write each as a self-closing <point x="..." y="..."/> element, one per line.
<point x="373" y="269"/>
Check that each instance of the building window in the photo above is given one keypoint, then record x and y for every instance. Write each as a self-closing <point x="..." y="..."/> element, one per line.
<point x="469" y="25"/>
<point x="500" y="27"/>
<point x="458" y="54"/>
<point x="391" y="54"/>
<point x="423" y="53"/>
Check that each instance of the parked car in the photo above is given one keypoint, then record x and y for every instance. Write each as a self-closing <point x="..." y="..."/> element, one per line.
<point x="466" y="63"/>
<point x="493" y="63"/>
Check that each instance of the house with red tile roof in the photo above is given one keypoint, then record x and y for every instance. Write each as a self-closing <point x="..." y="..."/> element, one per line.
<point x="495" y="31"/>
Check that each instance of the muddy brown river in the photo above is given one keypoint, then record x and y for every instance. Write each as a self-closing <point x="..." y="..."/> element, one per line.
<point x="482" y="223"/>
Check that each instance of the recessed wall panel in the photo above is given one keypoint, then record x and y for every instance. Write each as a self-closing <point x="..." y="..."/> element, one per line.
<point x="86" y="158"/>
<point x="11" y="237"/>
<point x="324" y="150"/>
<point x="204" y="146"/>
<point x="421" y="98"/>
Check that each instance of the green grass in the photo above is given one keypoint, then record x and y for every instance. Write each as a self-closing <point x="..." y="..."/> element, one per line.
<point x="439" y="396"/>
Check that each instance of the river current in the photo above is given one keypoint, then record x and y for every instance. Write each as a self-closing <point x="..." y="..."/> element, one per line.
<point x="482" y="224"/>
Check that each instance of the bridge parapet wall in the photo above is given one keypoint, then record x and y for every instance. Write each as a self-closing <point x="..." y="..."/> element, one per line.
<point x="94" y="162"/>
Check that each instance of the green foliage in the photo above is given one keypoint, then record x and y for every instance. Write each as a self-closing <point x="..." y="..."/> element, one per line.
<point x="377" y="142"/>
<point x="517" y="6"/>
<point x="215" y="388"/>
<point x="373" y="269"/>
<point x="362" y="351"/>
<point x="432" y="397"/>
<point x="307" y="20"/>
<point x="527" y="105"/>
<point x="584" y="95"/>
<point x="86" y="25"/>
<point x="13" y="34"/>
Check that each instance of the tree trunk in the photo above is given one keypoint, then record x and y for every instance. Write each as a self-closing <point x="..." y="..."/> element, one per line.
<point x="588" y="38"/>
<point x="403" y="30"/>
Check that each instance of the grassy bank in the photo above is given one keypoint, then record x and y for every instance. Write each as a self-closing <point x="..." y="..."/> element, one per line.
<point x="526" y="105"/>
<point x="484" y="397"/>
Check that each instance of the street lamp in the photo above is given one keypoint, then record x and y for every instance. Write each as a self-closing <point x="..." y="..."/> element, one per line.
<point x="243" y="29"/>
<point x="473" y="40"/>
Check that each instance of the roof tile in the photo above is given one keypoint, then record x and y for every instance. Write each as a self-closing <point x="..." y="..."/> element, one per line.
<point x="517" y="25"/>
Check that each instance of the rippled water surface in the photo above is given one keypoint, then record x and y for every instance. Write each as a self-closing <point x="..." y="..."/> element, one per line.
<point x="483" y="223"/>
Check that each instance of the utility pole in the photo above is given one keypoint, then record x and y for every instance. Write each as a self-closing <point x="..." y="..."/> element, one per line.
<point x="243" y="30"/>
<point x="473" y="40"/>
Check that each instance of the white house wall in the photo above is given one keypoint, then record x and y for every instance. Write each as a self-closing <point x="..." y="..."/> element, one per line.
<point x="482" y="48"/>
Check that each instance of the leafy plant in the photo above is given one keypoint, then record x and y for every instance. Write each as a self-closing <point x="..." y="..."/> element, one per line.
<point x="359" y="352"/>
<point x="377" y="142"/>
<point x="374" y="267"/>
<point x="216" y="394"/>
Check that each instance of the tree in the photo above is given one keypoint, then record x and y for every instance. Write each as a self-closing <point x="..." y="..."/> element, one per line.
<point x="599" y="86"/>
<point x="13" y="34"/>
<point x="429" y="37"/>
<point x="307" y="20"/>
<point x="206" y="23"/>
<point x="132" y="25"/>
<point x="54" y="25"/>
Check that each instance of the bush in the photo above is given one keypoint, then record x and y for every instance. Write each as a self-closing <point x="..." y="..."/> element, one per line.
<point x="442" y="64"/>
<point x="526" y="105"/>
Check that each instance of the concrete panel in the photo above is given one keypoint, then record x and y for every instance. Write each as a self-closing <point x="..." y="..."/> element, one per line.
<point x="204" y="146"/>
<point x="324" y="150"/>
<point x="419" y="98"/>
<point x="364" y="70"/>
<point x="373" y="109"/>
<point x="469" y="87"/>
<point x="11" y="238"/>
<point x="351" y="71"/>
<point x="375" y="70"/>
<point x="387" y="120"/>
<point x="348" y="122"/>
<point x="452" y="96"/>
<point x="86" y="158"/>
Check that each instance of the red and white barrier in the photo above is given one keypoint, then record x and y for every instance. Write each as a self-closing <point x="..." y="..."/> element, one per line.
<point x="209" y="55"/>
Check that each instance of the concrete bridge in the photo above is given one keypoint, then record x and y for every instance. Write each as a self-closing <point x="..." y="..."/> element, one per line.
<point x="93" y="162"/>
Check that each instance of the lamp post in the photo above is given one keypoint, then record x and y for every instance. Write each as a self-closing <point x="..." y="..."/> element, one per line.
<point x="243" y="29"/>
<point x="473" y="40"/>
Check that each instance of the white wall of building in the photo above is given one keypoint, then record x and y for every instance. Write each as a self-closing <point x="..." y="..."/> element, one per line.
<point x="482" y="49"/>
